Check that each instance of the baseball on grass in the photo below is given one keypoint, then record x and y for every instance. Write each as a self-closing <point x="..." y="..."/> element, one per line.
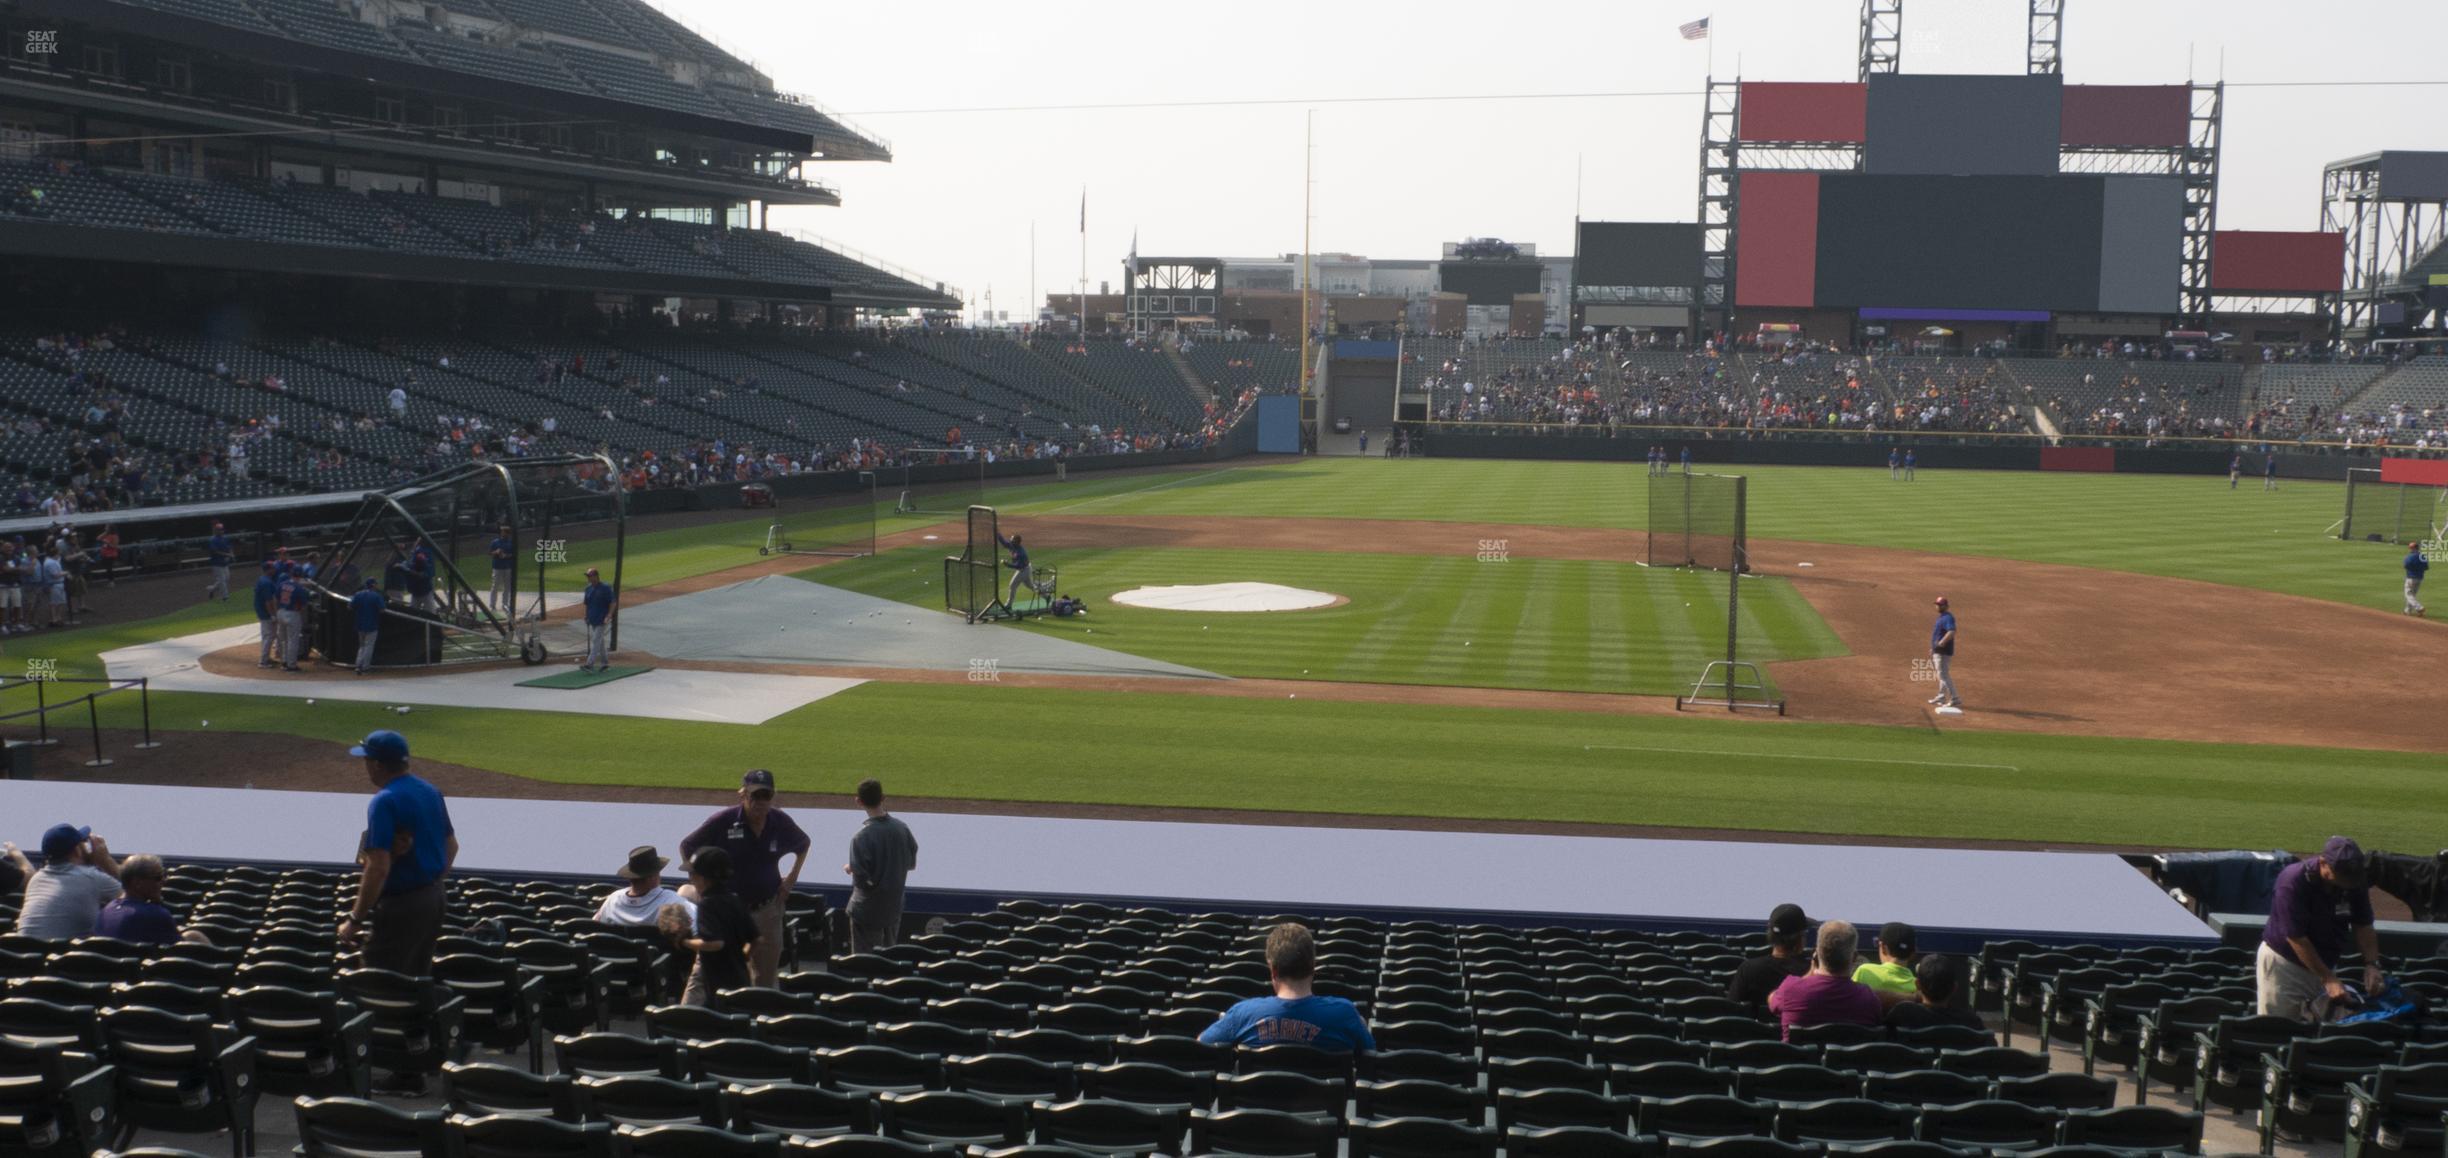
<point x="310" y="701"/>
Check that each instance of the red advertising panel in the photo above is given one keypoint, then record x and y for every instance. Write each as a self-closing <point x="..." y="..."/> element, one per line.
<point x="2255" y="261"/>
<point x="2125" y="116"/>
<point x="1831" y="113"/>
<point x="2428" y="472"/>
<point x="1776" y="259"/>
<point x="2091" y="458"/>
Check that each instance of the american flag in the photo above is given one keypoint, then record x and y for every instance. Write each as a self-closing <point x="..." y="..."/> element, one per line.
<point x="1696" y="30"/>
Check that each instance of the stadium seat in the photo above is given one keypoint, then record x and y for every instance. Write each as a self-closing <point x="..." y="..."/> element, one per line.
<point x="527" y="1136"/>
<point x="2134" y="1128"/>
<point x="1283" y="1092"/>
<point x="947" y="1117"/>
<point x="880" y="1069"/>
<point x="1991" y="1125"/>
<point x="1109" y="1127"/>
<point x="1011" y="1077"/>
<point x="305" y="1043"/>
<point x="645" y="1101"/>
<point x="1849" y="1121"/>
<point x="743" y="1061"/>
<point x="481" y="1089"/>
<point x="1266" y="1133"/>
<point x="57" y="1103"/>
<point x="612" y="1055"/>
<point x="1420" y="1098"/>
<point x="681" y="1140"/>
<point x="2305" y="1084"/>
<point x="348" y="1127"/>
<point x="418" y="1023"/>
<point x="182" y="1075"/>
<point x="2227" y="1072"/>
<point x="799" y="1111"/>
<point x="1661" y="1080"/>
<point x="2057" y="1091"/>
<point x="1180" y="1052"/>
<point x="808" y="1031"/>
<point x="1421" y="1138"/>
<point x="1540" y="1108"/>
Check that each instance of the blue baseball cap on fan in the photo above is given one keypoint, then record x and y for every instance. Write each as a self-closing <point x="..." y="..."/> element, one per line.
<point x="60" y="841"/>
<point x="382" y="745"/>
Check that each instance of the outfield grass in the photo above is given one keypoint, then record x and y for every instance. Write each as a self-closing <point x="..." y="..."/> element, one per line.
<point x="1023" y="744"/>
<point x="2182" y="526"/>
<point x="1557" y="624"/>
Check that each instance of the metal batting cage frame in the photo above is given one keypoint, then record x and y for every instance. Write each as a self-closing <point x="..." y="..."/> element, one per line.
<point x="1699" y="521"/>
<point x="845" y="529"/>
<point x="973" y="579"/>
<point x="2392" y="512"/>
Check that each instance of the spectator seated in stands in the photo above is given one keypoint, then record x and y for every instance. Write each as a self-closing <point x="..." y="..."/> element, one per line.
<point x="1294" y="1015"/>
<point x="1827" y="995"/>
<point x="645" y="896"/>
<point x="15" y="870"/>
<point x="1940" y="996"/>
<point x="78" y="877"/>
<point x="1758" y="977"/>
<point x="1891" y="976"/>
<point x="139" y="914"/>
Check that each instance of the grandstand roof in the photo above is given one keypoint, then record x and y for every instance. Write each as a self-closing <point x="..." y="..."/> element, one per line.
<point x="619" y="57"/>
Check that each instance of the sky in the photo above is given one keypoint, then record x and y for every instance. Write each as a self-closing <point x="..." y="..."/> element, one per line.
<point x="987" y="199"/>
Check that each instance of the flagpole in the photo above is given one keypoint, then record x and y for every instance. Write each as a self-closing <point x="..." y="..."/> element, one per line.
<point x="1083" y="287"/>
<point x="1035" y="303"/>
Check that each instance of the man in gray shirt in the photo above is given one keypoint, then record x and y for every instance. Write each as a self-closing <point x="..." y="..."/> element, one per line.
<point x="881" y="856"/>
<point x="77" y="878"/>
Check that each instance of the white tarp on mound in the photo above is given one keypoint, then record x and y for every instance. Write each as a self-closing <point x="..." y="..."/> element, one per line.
<point x="1225" y="597"/>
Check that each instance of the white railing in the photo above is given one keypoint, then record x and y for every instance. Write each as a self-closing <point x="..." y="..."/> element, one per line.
<point x="908" y="275"/>
<point x="737" y="53"/>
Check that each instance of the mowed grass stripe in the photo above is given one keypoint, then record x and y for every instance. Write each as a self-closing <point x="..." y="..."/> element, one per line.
<point x="1449" y="619"/>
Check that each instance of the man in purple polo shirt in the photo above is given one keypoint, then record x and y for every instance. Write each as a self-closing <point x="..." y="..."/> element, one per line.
<point x="757" y="835"/>
<point x="2318" y="902"/>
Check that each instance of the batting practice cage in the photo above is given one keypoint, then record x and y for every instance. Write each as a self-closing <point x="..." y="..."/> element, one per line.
<point x="1697" y="521"/>
<point x="976" y="583"/>
<point x="428" y="545"/>
<point x="936" y="481"/>
<point x="843" y="526"/>
<point x="2383" y="510"/>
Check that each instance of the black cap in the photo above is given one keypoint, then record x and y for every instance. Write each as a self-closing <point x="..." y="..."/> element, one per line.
<point x="1898" y="938"/>
<point x="1787" y="920"/>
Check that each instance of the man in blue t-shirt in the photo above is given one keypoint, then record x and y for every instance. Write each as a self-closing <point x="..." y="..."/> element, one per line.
<point x="2415" y="566"/>
<point x="1294" y="1016"/>
<point x="1942" y="659"/>
<point x="2235" y="469"/>
<point x="1687" y="460"/>
<point x="1895" y="464"/>
<point x="1910" y="460"/>
<point x="217" y="554"/>
<point x="505" y="558"/>
<point x="2269" y="472"/>
<point x="267" y="588"/>
<point x="408" y="847"/>
<point x="598" y="598"/>
<point x="367" y="604"/>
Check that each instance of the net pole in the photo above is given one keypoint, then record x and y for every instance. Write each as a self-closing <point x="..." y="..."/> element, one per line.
<point x="2346" y="526"/>
<point x="1734" y="588"/>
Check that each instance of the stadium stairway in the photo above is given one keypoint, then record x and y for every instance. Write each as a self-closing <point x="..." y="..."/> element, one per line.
<point x="1198" y="385"/>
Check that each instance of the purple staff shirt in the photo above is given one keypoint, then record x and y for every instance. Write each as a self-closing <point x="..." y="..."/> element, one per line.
<point x="2303" y="905"/>
<point x="756" y="861"/>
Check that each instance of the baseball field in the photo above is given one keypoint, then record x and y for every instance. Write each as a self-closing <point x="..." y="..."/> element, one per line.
<point x="2148" y="661"/>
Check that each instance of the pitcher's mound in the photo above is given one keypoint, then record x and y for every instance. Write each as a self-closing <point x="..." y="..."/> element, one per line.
<point x="1228" y="597"/>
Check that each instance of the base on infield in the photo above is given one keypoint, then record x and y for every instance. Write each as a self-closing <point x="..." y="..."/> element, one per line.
<point x="1949" y="710"/>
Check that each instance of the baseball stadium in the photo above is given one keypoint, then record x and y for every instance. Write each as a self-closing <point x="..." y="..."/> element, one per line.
<point x="1348" y="706"/>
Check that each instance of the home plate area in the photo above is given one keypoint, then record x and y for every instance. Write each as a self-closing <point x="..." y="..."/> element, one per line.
<point x="1227" y="597"/>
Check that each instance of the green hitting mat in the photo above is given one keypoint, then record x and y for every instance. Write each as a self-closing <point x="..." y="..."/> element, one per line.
<point x="573" y="678"/>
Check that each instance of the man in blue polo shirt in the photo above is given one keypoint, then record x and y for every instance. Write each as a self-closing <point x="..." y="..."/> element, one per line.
<point x="1294" y="1015"/>
<point x="2415" y="567"/>
<point x="505" y="558"/>
<point x="367" y="605"/>
<point x="1895" y="464"/>
<point x="1942" y="659"/>
<point x="2235" y="469"/>
<point x="1910" y="460"/>
<point x="2269" y="472"/>
<point x="599" y="597"/>
<point x="2318" y="903"/>
<point x="218" y="555"/>
<point x="267" y="588"/>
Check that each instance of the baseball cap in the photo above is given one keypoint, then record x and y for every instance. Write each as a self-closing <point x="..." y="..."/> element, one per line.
<point x="1897" y="938"/>
<point x="371" y="584"/>
<point x="1787" y="920"/>
<point x="2345" y="856"/>
<point x="1942" y="601"/>
<point x="643" y="862"/>
<point x="757" y="778"/>
<point x="592" y="573"/>
<point x="60" y="841"/>
<point x="383" y="744"/>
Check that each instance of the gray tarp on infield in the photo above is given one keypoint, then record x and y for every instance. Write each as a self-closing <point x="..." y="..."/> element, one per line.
<point x="778" y="619"/>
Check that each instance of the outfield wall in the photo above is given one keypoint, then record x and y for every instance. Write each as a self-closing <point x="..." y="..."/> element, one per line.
<point x="1633" y="446"/>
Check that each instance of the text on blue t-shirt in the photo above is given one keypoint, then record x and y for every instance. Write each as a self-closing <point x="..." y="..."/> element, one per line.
<point x="1328" y="1023"/>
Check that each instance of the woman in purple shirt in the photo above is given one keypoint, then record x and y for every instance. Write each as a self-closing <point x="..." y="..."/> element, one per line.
<point x="1827" y="995"/>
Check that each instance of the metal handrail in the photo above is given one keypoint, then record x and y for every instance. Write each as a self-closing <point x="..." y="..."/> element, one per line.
<point x="863" y="258"/>
<point x="42" y="709"/>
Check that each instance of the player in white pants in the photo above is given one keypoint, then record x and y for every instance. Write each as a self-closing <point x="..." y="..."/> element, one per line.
<point x="2415" y="567"/>
<point x="1942" y="657"/>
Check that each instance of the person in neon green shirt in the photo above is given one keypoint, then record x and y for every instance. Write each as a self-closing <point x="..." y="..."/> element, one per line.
<point x="1891" y="976"/>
